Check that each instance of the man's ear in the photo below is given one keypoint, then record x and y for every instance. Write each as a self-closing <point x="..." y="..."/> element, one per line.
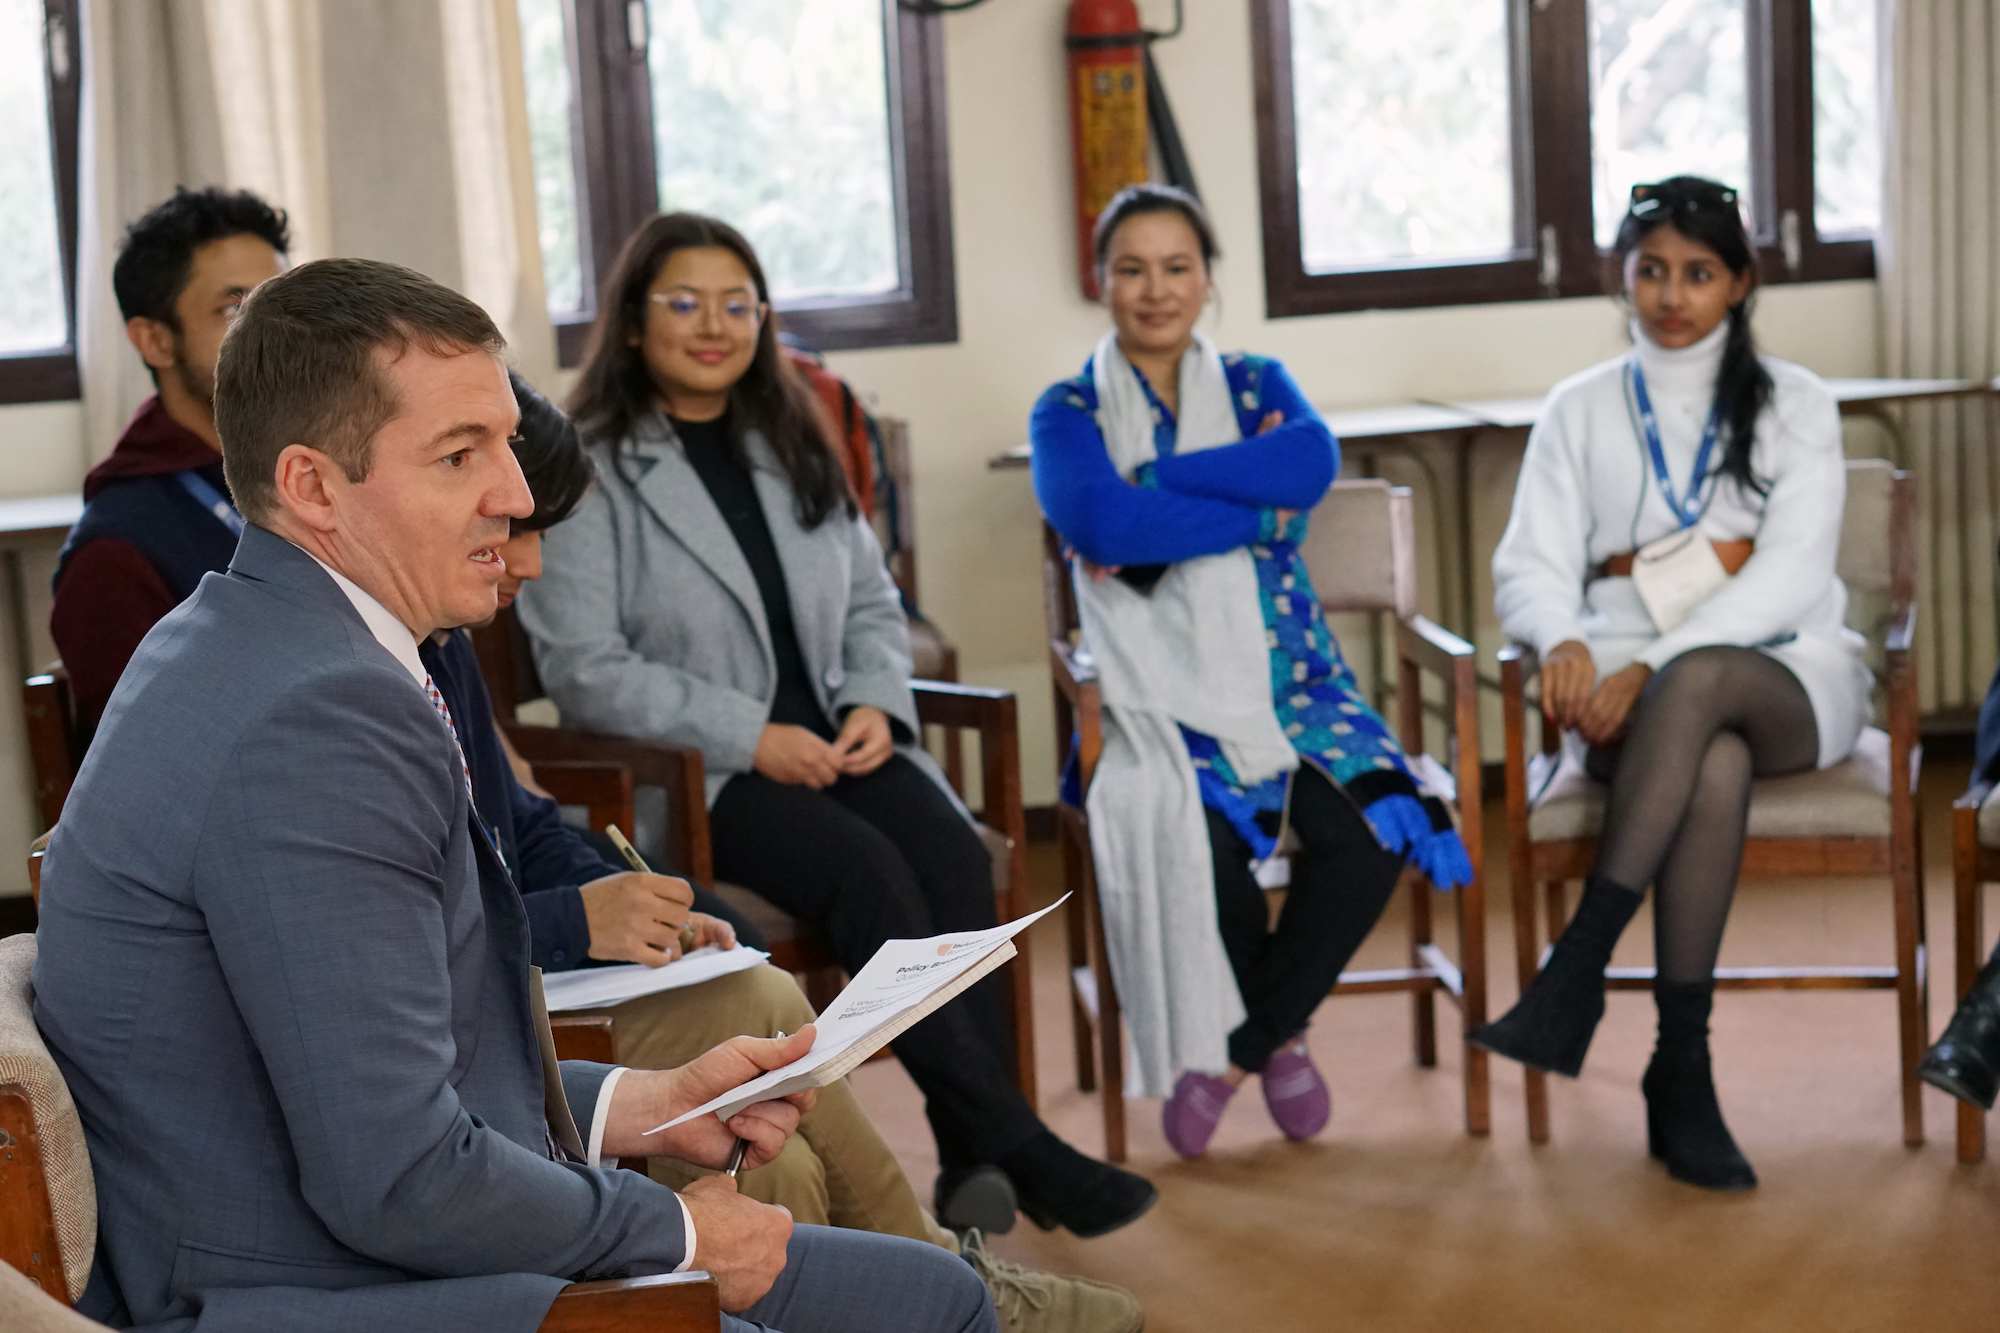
<point x="153" y="340"/>
<point x="305" y="484"/>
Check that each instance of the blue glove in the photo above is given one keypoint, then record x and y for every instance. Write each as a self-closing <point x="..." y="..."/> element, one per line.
<point x="1400" y="822"/>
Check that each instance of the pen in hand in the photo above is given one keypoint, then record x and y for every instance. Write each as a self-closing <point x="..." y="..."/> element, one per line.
<point x="638" y="863"/>
<point x="743" y="1145"/>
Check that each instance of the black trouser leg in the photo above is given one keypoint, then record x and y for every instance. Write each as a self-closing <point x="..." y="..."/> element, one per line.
<point x="1341" y="881"/>
<point x="882" y="857"/>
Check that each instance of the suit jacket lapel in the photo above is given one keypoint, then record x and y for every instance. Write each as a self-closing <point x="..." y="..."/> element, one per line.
<point x="673" y="491"/>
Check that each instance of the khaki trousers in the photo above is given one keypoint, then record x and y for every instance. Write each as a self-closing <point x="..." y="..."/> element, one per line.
<point x="836" y="1171"/>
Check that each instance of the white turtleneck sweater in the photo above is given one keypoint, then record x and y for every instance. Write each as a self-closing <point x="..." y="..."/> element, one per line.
<point x="1587" y="492"/>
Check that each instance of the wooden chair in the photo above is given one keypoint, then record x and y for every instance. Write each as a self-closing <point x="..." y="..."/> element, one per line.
<point x="1857" y="818"/>
<point x="507" y="662"/>
<point x="48" y="1201"/>
<point x="1361" y="556"/>
<point x="1975" y="862"/>
<point x="56" y="741"/>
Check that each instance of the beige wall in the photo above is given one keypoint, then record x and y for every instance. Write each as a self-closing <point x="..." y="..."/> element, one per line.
<point x="1023" y="324"/>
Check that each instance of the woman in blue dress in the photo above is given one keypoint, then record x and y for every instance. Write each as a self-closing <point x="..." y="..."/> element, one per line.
<point x="1180" y="480"/>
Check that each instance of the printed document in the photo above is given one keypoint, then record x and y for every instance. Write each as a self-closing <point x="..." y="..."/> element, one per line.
<point x="595" y="987"/>
<point x="904" y="982"/>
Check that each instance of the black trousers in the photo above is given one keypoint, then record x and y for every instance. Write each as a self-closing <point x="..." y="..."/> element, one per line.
<point x="1341" y="881"/>
<point x="880" y="857"/>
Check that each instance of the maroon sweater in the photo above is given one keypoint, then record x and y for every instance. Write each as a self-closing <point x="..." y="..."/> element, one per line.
<point x="142" y="544"/>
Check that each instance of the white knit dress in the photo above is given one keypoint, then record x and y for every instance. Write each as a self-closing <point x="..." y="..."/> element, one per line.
<point x="1587" y="492"/>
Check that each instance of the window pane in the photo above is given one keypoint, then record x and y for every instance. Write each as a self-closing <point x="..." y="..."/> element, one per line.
<point x="32" y="315"/>
<point x="1847" y="117"/>
<point x="545" y="58"/>
<point x="774" y="116"/>
<point x="1402" y="120"/>
<point x="1668" y="97"/>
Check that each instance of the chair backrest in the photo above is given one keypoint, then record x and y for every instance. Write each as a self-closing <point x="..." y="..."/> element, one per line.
<point x="48" y="1201"/>
<point x="507" y="662"/>
<point x="1877" y="558"/>
<point x="55" y="742"/>
<point x="1361" y="548"/>
<point x="895" y="517"/>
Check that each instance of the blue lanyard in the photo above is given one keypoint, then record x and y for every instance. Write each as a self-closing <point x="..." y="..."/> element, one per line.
<point x="211" y="499"/>
<point x="1688" y="513"/>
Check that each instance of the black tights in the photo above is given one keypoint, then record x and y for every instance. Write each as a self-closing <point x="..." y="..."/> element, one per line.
<point x="1340" y="884"/>
<point x="1707" y="724"/>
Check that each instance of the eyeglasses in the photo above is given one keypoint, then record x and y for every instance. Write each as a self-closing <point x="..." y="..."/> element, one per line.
<point x="1682" y="194"/>
<point x="685" y="308"/>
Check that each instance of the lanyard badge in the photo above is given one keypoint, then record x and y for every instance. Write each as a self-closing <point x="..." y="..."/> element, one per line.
<point x="211" y="499"/>
<point x="1687" y="512"/>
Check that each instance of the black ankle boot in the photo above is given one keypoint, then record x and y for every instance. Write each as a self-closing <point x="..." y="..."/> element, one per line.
<point x="1059" y="1186"/>
<point x="1550" y="1027"/>
<point x="1684" y="1125"/>
<point x="1966" y="1060"/>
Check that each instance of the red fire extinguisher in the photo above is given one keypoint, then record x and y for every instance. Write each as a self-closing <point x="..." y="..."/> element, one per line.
<point x="1107" y="112"/>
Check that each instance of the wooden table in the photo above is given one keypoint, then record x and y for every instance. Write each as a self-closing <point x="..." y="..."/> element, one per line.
<point x="25" y="524"/>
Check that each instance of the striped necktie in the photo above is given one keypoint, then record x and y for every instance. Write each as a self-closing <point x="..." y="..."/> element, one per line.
<point x="444" y="712"/>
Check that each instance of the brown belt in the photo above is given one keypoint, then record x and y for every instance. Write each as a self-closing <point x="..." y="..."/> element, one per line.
<point x="1733" y="554"/>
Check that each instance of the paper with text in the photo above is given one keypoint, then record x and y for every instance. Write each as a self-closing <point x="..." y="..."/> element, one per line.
<point x="903" y="983"/>
<point x="595" y="987"/>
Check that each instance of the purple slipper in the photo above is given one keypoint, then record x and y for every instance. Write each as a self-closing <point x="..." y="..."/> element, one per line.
<point x="1295" y="1092"/>
<point x="1192" y="1113"/>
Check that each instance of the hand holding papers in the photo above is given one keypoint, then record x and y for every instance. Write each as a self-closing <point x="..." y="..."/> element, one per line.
<point x="903" y="983"/>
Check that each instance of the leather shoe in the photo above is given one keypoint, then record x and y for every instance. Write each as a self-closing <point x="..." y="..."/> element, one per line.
<point x="1965" y="1062"/>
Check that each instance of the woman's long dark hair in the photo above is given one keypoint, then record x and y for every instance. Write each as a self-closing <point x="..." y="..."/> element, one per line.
<point x="616" y="390"/>
<point x="1707" y="214"/>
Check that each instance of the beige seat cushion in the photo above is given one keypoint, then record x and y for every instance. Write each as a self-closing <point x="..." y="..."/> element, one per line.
<point x="781" y="927"/>
<point x="1989" y="820"/>
<point x="26" y="1308"/>
<point x="1849" y="800"/>
<point x="65" y="1156"/>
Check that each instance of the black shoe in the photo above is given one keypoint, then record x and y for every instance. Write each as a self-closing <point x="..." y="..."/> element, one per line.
<point x="1059" y="1186"/>
<point x="1966" y="1060"/>
<point x="1550" y="1026"/>
<point x="1684" y="1125"/>
<point x="975" y="1197"/>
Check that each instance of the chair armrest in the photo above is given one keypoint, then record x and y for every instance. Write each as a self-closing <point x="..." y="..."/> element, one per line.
<point x="993" y="714"/>
<point x="668" y="1303"/>
<point x="944" y="703"/>
<point x="678" y="772"/>
<point x="584" y="1037"/>
<point x="1076" y="682"/>
<point x="1432" y="646"/>
<point x="1974" y="797"/>
<point x="1073" y="674"/>
<point x="1902" y="634"/>
<point x="1900" y="685"/>
<point x="1522" y="659"/>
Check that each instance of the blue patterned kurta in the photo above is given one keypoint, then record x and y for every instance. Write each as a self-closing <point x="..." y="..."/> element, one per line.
<point x="1318" y="702"/>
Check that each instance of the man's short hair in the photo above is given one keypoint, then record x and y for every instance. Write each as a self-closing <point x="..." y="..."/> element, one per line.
<point x="551" y="458"/>
<point x="157" y="254"/>
<point x="301" y="365"/>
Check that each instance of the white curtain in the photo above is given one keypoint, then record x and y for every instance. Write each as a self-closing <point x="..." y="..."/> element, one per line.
<point x="393" y="129"/>
<point x="1939" y="257"/>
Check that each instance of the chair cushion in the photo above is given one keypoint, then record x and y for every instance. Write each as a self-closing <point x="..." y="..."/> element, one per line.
<point x="26" y="1308"/>
<point x="930" y="655"/>
<point x="781" y="927"/>
<point x="1849" y="800"/>
<point x="25" y="1060"/>
<point x="1989" y="819"/>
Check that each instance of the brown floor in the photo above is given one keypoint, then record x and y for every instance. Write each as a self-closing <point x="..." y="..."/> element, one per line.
<point x="1394" y="1219"/>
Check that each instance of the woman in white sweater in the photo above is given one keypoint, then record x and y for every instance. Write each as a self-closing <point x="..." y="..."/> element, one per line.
<point x="1719" y="475"/>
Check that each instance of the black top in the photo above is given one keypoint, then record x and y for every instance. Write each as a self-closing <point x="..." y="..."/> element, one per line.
<point x="727" y="477"/>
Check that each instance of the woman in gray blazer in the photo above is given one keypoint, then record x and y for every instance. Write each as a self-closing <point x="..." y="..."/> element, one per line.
<point x="719" y="589"/>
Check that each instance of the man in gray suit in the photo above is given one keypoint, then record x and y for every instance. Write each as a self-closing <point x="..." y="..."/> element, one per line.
<point x="284" y="969"/>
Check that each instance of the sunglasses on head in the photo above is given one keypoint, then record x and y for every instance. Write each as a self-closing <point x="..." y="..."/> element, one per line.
<point x="1650" y="199"/>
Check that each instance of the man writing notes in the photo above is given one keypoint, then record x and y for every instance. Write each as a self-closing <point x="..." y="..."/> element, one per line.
<point x="283" y="969"/>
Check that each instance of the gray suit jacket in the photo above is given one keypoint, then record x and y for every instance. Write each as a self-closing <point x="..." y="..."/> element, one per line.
<point x="288" y="986"/>
<point x="647" y="621"/>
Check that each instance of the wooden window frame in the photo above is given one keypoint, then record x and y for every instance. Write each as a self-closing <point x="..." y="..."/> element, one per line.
<point x="50" y="375"/>
<point x="617" y="182"/>
<point x="1555" y="252"/>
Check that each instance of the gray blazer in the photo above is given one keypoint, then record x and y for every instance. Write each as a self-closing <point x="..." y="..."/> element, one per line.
<point x="288" y="987"/>
<point x="647" y="621"/>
